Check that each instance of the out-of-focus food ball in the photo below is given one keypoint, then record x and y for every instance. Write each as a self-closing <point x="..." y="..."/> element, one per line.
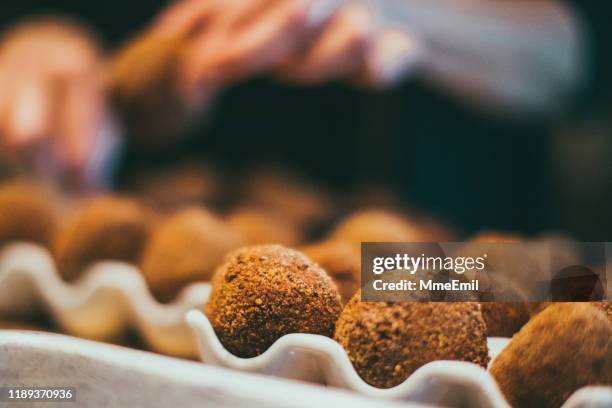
<point x="503" y="319"/>
<point x="342" y="261"/>
<point x="496" y="237"/>
<point x="499" y="247"/>
<point x="382" y="226"/>
<point x="562" y="249"/>
<point x="144" y="89"/>
<point x="386" y="342"/>
<point x="186" y="185"/>
<point x="525" y="262"/>
<point x="437" y="230"/>
<point x="28" y="212"/>
<point x="381" y="197"/>
<point x="183" y="248"/>
<point x="537" y="307"/>
<point x="562" y="349"/>
<point x="260" y="226"/>
<point x="290" y="195"/>
<point x="504" y="270"/>
<point x="261" y="293"/>
<point x="520" y="266"/>
<point x="105" y="228"/>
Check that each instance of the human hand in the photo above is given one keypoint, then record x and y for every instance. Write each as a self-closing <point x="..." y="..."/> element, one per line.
<point x="173" y="71"/>
<point x="229" y="41"/>
<point x="304" y="41"/>
<point x="170" y="73"/>
<point x="356" y="46"/>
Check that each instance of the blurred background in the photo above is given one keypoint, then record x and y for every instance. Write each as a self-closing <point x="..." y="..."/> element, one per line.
<point x="482" y="114"/>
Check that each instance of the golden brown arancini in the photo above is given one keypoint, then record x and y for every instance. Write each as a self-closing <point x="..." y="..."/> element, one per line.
<point x="382" y="226"/>
<point x="342" y="261"/>
<point x="503" y="319"/>
<point x="28" y="212"/>
<point x="496" y="237"/>
<point x="289" y="194"/>
<point x="386" y="342"/>
<point x="144" y="88"/>
<point x="185" y="247"/>
<point x="537" y="307"/>
<point x="259" y="226"/>
<point x="105" y="228"/>
<point x="171" y="188"/>
<point x="565" y="347"/>
<point x="260" y="293"/>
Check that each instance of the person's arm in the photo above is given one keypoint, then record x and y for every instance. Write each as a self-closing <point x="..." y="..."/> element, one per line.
<point x="517" y="55"/>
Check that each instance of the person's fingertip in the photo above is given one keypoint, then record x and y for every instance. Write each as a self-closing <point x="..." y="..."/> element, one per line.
<point x="394" y="55"/>
<point x="21" y="132"/>
<point x="338" y="50"/>
<point x="27" y="113"/>
<point x="320" y="12"/>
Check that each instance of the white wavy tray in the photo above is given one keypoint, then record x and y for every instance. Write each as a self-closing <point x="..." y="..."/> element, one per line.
<point x="321" y="360"/>
<point x="111" y="298"/>
<point x="107" y="376"/>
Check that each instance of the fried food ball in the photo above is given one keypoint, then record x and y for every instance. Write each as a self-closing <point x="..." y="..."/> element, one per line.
<point x="386" y="342"/>
<point x="382" y="226"/>
<point x="184" y="248"/>
<point x="105" y="228"/>
<point x="260" y="293"/>
<point x="499" y="256"/>
<point x="563" y="250"/>
<point x="28" y="212"/>
<point x="509" y="259"/>
<point x="496" y="237"/>
<point x="342" y="261"/>
<point x="144" y="88"/>
<point x="523" y="262"/>
<point x="437" y="230"/>
<point x="170" y="188"/>
<point x="503" y="319"/>
<point x="537" y="307"/>
<point x="505" y="311"/>
<point x="565" y="347"/>
<point x="260" y="226"/>
<point x="289" y="194"/>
